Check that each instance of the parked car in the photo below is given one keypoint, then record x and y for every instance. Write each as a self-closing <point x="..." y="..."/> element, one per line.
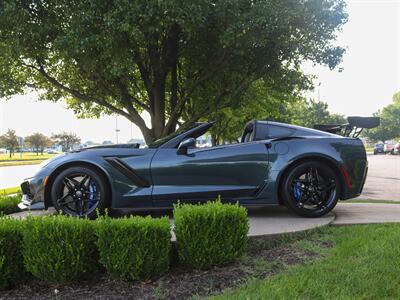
<point x="379" y="148"/>
<point x="308" y="170"/>
<point x="389" y="147"/>
<point x="51" y="151"/>
<point x="396" y="148"/>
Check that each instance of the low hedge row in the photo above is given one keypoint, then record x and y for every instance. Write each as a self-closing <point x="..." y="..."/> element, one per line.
<point x="11" y="263"/>
<point x="9" y="204"/>
<point x="134" y="247"/>
<point x="58" y="249"/>
<point x="211" y="234"/>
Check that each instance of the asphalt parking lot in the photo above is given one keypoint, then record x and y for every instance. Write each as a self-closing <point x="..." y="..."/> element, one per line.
<point x="383" y="180"/>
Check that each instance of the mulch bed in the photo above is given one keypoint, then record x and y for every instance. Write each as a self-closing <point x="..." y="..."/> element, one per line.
<point x="264" y="258"/>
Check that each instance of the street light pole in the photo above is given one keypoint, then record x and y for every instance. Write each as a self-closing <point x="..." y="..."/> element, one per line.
<point x="319" y="92"/>
<point x="116" y="128"/>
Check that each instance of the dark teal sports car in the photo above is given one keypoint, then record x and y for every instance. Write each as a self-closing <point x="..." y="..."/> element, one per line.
<point x="307" y="170"/>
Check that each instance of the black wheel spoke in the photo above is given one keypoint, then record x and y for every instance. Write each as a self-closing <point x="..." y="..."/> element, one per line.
<point x="301" y="200"/>
<point x="311" y="190"/>
<point x="79" y="194"/>
<point x="327" y="188"/>
<point x="317" y="176"/>
<point x="85" y="181"/>
<point x="81" y="203"/>
<point x="62" y="201"/>
<point x="69" y="184"/>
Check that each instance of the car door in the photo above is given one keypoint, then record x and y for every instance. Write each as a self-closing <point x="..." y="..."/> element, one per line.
<point x="234" y="172"/>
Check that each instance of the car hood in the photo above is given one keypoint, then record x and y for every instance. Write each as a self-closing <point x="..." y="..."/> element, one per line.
<point x="112" y="146"/>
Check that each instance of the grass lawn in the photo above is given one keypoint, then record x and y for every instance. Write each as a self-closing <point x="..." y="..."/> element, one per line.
<point x="26" y="158"/>
<point x="9" y="191"/>
<point x="369" y="149"/>
<point x="363" y="264"/>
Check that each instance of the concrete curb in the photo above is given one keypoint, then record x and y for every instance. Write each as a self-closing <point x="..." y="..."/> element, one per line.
<point x="366" y="213"/>
<point x="264" y="221"/>
<point x="277" y="220"/>
<point x="294" y="231"/>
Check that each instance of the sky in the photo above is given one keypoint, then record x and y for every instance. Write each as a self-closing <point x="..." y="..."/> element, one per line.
<point x="370" y="76"/>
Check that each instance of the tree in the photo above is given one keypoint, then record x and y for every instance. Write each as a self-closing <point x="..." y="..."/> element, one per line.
<point x="390" y="122"/>
<point x="38" y="142"/>
<point x="67" y="140"/>
<point x="9" y="140"/>
<point x="177" y="60"/>
<point x="263" y="101"/>
<point x="271" y="104"/>
<point x="309" y="113"/>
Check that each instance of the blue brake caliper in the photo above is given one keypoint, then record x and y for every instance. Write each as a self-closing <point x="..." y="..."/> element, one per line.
<point x="297" y="191"/>
<point x="93" y="190"/>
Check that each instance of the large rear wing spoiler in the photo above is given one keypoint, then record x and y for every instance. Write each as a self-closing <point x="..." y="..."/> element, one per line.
<point x="353" y="128"/>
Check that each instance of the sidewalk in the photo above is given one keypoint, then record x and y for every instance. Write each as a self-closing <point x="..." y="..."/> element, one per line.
<point x="366" y="213"/>
<point x="274" y="220"/>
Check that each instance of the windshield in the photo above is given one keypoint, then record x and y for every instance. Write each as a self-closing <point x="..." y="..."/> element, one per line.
<point x="159" y="142"/>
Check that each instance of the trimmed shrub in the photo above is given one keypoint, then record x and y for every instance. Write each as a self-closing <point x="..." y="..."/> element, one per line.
<point x="210" y="234"/>
<point x="134" y="247"/>
<point x="59" y="248"/>
<point x="9" y="204"/>
<point x="11" y="263"/>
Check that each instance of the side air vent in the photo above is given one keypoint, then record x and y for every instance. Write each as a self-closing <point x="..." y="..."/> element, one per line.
<point x="127" y="171"/>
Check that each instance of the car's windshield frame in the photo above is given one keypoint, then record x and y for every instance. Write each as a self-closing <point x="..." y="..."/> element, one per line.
<point x="163" y="140"/>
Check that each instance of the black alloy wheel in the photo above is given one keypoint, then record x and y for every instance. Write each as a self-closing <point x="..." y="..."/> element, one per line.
<point x="80" y="192"/>
<point x="311" y="189"/>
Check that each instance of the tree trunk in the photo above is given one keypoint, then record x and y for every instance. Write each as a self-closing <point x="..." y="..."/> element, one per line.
<point x="158" y="117"/>
<point x="147" y="135"/>
<point x="214" y="140"/>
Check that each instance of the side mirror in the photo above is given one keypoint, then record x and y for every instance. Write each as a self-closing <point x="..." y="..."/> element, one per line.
<point x="185" y="145"/>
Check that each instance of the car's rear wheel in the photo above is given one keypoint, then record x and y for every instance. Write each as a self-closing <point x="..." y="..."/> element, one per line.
<point x="311" y="189"/>
<point x="80" y="191"/>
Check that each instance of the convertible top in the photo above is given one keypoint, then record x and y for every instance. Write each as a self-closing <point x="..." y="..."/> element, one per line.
<point x="256" y="130"/>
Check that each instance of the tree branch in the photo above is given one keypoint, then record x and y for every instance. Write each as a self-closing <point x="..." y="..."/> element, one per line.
<point x="131" y="115"/>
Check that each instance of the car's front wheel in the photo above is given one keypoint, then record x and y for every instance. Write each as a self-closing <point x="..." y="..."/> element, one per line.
<point x="311" y="189"/>
<point x="80" y="191"/>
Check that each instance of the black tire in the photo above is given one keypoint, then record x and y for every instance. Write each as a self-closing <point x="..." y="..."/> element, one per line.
<point x="72" y="196"/>
<point x="311" y="196"/>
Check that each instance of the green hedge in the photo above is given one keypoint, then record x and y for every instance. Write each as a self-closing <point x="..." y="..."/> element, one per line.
<point x="11" y="263"/>
<point x="59" y="248"/>
<point x="210" y="234"/>
<point x="134" y="247"/>
<point x="9" y="204"/>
